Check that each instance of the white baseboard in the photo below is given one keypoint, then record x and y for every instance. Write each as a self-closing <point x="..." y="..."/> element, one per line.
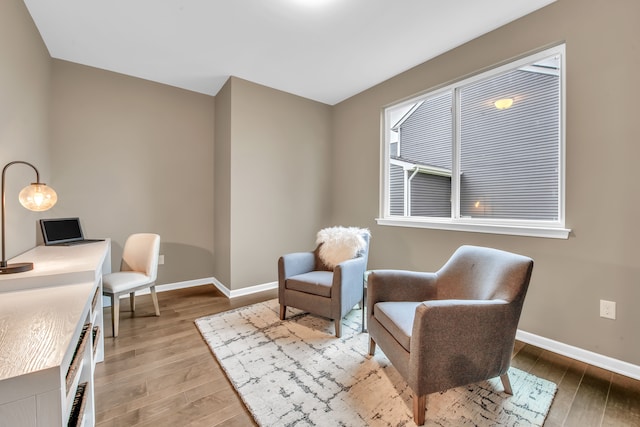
<point x="106" y="302"/>
<point x="180" y="285"/>
<point x="595" y="359"/>
<point x="244" y="291"/>
<point x="205" y="281"/>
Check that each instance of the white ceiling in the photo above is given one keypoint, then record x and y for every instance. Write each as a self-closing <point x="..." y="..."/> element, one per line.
<point x="325" y="50"/>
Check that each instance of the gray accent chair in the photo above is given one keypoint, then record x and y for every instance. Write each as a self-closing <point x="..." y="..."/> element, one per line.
<point x="306" y="283"/>
<point x="450" y="328"/>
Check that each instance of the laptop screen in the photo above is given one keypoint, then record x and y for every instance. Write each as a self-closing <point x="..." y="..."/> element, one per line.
<point x="61" y="230"/>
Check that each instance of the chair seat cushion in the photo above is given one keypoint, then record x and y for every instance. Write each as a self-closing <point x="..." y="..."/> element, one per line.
<point x="397" y="318"/>
<point x="315" y="283"/>
<point x="122" y="281"/>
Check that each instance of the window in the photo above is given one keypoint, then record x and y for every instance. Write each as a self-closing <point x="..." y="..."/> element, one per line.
<point x="484" y="154"/>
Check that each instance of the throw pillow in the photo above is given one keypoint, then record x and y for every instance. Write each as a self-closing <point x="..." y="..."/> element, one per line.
<point x="339" y="244"/>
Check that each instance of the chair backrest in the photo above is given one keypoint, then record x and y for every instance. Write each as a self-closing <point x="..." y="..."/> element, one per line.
<point x="141" y="253"/>
<point x="365" y="253"/>
<point x="475" y="272"/>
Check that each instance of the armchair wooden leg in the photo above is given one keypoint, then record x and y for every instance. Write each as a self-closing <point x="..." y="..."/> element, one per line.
<point x="154" y="297"/>
<point x="283" y="311"/>
<point x="419" y="409"/>
<point x="372" y="346"/>
<point x="506" y="383"/>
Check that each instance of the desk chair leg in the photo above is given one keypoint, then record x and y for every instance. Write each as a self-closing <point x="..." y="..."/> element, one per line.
<point x="132" y="301"/>
<point x="115" y="314"/>
<point x="154" y="297"/>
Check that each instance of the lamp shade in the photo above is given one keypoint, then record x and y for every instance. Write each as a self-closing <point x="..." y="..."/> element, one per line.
<point x="38" y="197"/>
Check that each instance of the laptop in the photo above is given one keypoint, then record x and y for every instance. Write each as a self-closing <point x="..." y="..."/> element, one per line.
<point x="63" y="232"/>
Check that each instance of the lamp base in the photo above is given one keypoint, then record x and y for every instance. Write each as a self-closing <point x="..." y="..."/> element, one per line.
<point x="16" y="268"/>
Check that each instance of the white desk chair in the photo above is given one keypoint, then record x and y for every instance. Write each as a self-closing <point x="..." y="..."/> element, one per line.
<point x="138" y="270"/>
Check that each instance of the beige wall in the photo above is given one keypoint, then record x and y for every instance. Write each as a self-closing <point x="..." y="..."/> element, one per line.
<point x="24" y="125"/>
<point x="600" y="259"/>
<point x="135" y="156"/>
<point x="278" y="185"/>
<point x="222" y="179"/>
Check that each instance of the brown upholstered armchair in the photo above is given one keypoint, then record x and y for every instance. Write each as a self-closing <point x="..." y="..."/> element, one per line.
<point x="450" y="328"/>
<point x="325" y="286"/>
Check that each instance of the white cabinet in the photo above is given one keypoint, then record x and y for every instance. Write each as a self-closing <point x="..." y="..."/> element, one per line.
<point x="51" y="337"/>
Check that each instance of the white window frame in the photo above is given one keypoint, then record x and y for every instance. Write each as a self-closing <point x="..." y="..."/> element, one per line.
<point x="546" y="229"/>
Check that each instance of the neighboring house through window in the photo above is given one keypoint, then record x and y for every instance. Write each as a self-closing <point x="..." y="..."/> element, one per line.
<point x="484" y="154"/>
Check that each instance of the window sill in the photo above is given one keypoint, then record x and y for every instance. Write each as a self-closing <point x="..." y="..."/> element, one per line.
<point x="513" y="230"/>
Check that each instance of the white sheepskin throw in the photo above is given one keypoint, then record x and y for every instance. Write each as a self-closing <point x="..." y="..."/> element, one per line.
<point x="340" y="244"/>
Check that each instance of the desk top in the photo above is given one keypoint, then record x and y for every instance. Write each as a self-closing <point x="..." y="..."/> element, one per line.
<point x="58" y="265"/>
<point x="41" y="310"/>
<point x="37" y="326"/>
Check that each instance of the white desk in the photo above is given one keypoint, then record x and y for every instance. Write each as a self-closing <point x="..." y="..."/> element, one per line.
<point x="42" y="316"/>
<point x="59" y="265"/>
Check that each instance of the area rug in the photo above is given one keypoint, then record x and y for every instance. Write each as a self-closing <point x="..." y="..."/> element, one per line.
<point x="296" y="373"/>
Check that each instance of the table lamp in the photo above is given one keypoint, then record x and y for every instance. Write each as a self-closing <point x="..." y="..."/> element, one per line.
<point x="35" y="197"/>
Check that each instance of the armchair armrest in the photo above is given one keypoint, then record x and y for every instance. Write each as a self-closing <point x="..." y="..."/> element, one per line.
<point x="295" y="263"/>
<point x="348" y="282"/>
<point x="349" y="272"/>
<point x="474" y="341"/>
<point x="400" y="285"/>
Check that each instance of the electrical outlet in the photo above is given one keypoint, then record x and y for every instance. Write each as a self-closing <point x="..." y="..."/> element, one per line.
<point x="160" y="259"/>
<point x="608" y="309"/>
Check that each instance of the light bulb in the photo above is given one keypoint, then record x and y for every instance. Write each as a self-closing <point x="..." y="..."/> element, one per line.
<point x="38" y="197"/>
<point x="504" y="103"/>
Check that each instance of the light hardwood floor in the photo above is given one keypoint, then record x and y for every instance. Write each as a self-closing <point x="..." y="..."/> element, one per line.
<point x="159" y="372"/>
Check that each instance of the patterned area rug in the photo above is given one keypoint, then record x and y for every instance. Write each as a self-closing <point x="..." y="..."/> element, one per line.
<point x="296" y="373"/>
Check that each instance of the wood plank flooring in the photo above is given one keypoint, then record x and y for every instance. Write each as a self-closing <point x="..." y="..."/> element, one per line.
<point x="159" y="372"/>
